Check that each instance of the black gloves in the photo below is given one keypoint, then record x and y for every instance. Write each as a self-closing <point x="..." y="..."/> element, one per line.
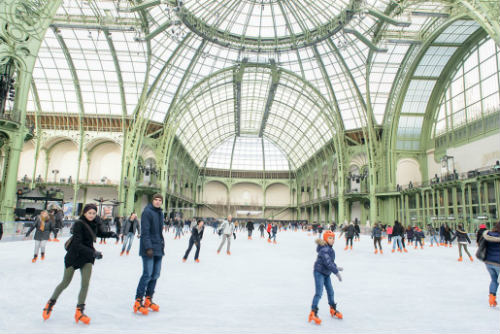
<point x="98" y="255"/>
<point x="149" y="252"/>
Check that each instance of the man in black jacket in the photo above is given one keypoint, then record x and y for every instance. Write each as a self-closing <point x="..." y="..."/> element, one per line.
<point x="250" y="228"/>
<point x="152" y="247"/>
<point x="195" y="239"/>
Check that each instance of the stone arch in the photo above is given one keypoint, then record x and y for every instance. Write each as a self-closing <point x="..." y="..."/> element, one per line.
<point x="103" y="164"/>
<point x="278" y="194"/>
<point x="247" y="193"/>
<point x="408" y="169"/>
<point x="215" y="192"/>
<point x="63" y="161"/>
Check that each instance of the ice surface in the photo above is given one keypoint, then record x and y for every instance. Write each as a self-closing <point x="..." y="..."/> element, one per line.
<point x="260" y="288"/>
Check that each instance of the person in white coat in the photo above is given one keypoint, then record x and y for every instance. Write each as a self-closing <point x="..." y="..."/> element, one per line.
<point x="227" y="228"/>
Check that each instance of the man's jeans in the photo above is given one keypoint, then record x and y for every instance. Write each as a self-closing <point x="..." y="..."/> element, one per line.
<point x="129" y="238"/>
<point x="151" y="267"/>
<point x="494" y="273"/>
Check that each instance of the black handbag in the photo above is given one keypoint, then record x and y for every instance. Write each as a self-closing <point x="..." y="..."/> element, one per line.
<point x="481" y="250"/>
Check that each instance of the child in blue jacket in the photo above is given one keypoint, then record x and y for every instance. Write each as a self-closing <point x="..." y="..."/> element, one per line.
<point x="323" y="267"/>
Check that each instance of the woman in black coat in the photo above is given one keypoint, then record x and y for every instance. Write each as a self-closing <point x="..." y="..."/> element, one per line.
<point x="81" y="255"/>
<point x="196" y="235"/>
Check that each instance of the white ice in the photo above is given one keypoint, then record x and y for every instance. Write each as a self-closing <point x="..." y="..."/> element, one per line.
<point x="259" y="288"/>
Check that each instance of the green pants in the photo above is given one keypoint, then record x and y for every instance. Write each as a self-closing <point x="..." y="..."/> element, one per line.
<point x="86" y="271"/>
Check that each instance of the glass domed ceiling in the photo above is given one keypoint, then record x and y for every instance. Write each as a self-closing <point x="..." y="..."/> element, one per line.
<point x="257" y="25"/>
<point x="247" y="153"/>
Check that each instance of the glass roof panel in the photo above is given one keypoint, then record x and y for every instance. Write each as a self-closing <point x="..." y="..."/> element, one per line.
<point x="458" y="32"/>
<point x="434" y="60"/>
<point x="417" y="96"/>
<point x="248" y="153"/>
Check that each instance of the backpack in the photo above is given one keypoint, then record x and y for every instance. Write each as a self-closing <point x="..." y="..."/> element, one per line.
<point x="68" y="242"/>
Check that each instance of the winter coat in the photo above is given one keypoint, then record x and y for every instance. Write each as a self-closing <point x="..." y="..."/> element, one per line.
<point x="349" y="231"/>
<point x="376" y="232"/>
<point x="39" y="234"/>
<point x="261" y="227"/>
<point x="151" y="231"/>
<point x="58" y="218"/>
<point x="397" y="230"/>
<point x="409" y="234"/>
<point x="419" y="234"/>
<point x="226" y="227"/>
<point x="269" y="227"/>
<point x="250" y="226"/>
<point x="81" y="249"/>
<point x="274" y="229"/>
<point x="357" y="229"/>
<point x="479" y="234"/>
<point x="492" y="247"/>
<point x="325" y="263"/>
<point x="197" y="235"/>
<point x="389" y="230"/>
<point x="461" y="237"/>
<point x="432" y="231"/>
<point x="447" y="234"/>
<point x="135" y="226"/>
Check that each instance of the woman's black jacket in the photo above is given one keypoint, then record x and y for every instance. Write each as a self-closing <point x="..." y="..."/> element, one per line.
<point x="81" y="250"/>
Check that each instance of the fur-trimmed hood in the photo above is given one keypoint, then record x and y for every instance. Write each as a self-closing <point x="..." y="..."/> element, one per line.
<point x="321" y="242"/>
<point x="490" y="238"/>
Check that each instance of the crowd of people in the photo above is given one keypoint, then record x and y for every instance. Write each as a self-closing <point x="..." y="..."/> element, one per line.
<point x="152" y="226"/>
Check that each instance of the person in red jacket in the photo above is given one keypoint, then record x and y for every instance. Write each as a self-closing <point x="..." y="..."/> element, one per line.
<point x="269" y="228"/>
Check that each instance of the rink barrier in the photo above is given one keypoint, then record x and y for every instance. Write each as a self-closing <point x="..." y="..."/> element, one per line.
<point x="16" y="231"/>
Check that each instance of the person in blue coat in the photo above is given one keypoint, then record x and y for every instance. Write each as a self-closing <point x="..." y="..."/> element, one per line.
<point x="151" y="250"/>
<point x="323" y="267"/>
<point x="492" y="260"/>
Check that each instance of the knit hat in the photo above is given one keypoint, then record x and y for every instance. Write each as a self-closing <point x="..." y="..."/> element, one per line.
<point x="482" y="226"/>
<point x="157" y="195"/>
<point x="328" y="234"/>
<point x="89" y="207"/>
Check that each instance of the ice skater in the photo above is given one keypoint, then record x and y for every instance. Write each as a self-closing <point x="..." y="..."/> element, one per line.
<point x="227" y="229"/>
<point x="410" y="235"/>
<point x="250" y="229"/>
<point x="274" y="231"/>
<point x="268" y="230"/>
<point x="81" y="255"/>
<point x="349" y="231"/>
<point x="432" y="235"/>
<point x="130" y="227"/>
<point x="195" y="239"/>
<point x="462" y="240"/>
<point x="377" y="236"/>
<point x="448" y="235"/>
<point x="397" y="232"/>
<point x="389" y="234"/>
<point x="178" y="228"/>
<point x="323" y="268"/>
<point x="357" y="231"/>
<point x="43" y="227"/>
<point x="262" y="227"/>
<point x="492" y="260"/>
<point x="151" y="250"/>
<point x="419" y="236"/>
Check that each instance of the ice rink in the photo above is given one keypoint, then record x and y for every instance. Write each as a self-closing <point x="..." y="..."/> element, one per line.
<point x="260" y="288"/>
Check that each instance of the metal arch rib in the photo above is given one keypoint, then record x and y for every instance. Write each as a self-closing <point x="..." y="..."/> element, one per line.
<point x="78" y="93"/>
<point x="333" y="97"/>
<point x="237" y="79"/>
<point x="275" y="74"/>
